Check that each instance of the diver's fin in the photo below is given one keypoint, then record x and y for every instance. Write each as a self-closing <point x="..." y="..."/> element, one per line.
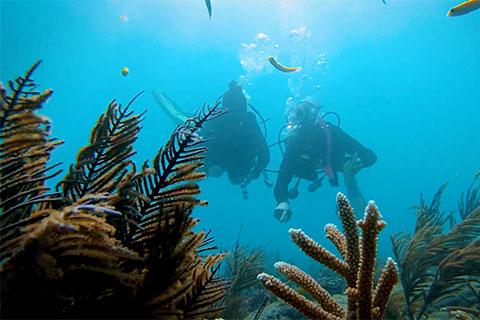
<point x="170" y="108"/>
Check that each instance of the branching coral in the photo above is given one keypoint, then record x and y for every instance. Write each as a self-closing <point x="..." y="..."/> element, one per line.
<point x="357" y="266"/>
<point x="435" y="267"/>
<point x="113" y="241"/>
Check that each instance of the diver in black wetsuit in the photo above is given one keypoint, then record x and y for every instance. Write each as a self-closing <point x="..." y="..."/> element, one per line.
<point x="315" y="146"/>
<point x="238" y="146"/>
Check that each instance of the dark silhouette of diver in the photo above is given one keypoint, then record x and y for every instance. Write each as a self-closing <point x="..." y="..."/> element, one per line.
<point x="235" y="142"/>
<point x="238" y="146"/>
<point x="314" y="146"/>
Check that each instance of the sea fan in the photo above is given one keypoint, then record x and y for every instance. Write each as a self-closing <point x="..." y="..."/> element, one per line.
<point x="435" y="267"/>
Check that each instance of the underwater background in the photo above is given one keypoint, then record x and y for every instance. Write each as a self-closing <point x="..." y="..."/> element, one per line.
<point x="403" y="77"/>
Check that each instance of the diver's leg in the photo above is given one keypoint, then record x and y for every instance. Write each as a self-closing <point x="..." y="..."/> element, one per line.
<point x="243" y="187"/>
<point x="354" y="195"/>
<point x="237" y="178"/>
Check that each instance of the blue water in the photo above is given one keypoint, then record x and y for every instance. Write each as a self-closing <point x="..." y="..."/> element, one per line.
<point x="404" y="78"/>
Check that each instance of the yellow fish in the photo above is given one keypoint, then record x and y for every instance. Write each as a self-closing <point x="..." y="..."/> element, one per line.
<point x="125" y="71"/>
<point x="464" y="8"/>
<point x="280" y="67"/>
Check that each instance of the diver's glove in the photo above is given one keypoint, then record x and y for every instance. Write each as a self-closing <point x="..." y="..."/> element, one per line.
<point x="282" y="212"/>
<point x="352" y="165"/>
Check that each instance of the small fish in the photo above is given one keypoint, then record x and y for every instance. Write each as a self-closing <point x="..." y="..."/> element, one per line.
<point x="125" y="71"/>
<point x="464" y="8"/>
<point x="280" y="67"/>
<point x="208" y="3"/>
<point x="123" y="18"/>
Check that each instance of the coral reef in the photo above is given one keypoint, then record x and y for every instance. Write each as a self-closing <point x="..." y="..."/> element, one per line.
<point x="439" y="269"/>
<point x="112" y="241"/>
<point x="356" y="266"/>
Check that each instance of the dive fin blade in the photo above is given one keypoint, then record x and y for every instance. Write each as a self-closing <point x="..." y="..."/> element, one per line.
<point x="170" y="108"/>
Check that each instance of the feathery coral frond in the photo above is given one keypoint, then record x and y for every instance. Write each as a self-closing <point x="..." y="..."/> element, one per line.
<point x="25" y="147"/>
<point x="430" y="214"/>
<point x="206" y="292"/>
<point x="164" y="238"/>
<point x="171" y="183"/>
<point x="242" y="265"/>
<point x="470" y="200"/>
<point x="101" y="165"/>
<point x="79" y="249"/>
<point x="434" y="266"/>
<point x="121" y="243"/>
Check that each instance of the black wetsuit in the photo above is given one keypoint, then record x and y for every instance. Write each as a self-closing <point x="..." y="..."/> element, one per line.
<point x="306" y="154"/>
<point x="238" y="145"/>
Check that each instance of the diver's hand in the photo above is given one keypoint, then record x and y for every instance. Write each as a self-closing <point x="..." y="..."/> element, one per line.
<point x="352" y="166"/>
<point x="282" y="212"/>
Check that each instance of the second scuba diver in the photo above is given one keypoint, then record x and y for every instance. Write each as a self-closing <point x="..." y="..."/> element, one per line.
<point x="235" y="142"/>
<point x="313" y="146"/>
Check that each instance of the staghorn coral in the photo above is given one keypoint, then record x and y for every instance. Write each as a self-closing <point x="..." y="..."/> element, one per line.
<point x="436" y="268"/>
<point x="112" y="241"/>
<point x="357" y="267"/>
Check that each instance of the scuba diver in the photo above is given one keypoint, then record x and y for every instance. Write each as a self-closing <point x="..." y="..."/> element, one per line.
<point x="238" y="146"/>
<point x="235" y="143"/>
<point x="314" y="146"/>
